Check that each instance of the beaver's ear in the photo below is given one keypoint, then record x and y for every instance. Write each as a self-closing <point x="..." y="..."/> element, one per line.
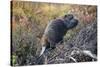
<point x="65" y="16"/>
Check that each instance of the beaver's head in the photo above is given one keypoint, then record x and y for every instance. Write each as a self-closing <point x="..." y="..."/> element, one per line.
<point x="70" y="21"/>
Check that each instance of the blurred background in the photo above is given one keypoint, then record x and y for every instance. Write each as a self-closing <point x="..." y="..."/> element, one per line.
<point x="28" y="22"/>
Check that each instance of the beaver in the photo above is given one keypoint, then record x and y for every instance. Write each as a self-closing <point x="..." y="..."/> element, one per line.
<point x="55" y="31"/>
